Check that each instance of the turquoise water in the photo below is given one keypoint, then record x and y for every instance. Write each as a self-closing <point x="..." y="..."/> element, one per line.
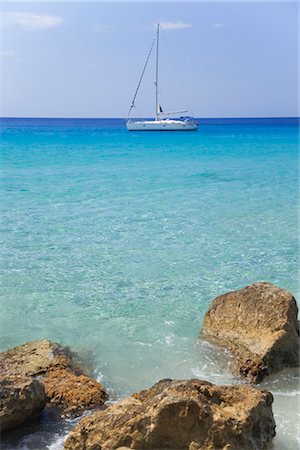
<point x="115" y="243"/>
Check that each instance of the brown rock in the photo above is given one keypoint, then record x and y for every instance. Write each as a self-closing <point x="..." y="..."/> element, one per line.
<point x="35" y="358"/>
<point x="181" y="415"/>
<point x="21" y="399"/>
<point x="73" y="393"/>
<point x="66" y="386"/>
<point x="258" y="324"/>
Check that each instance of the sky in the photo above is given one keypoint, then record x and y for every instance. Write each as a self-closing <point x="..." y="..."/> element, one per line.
<point x="84" y="59"/>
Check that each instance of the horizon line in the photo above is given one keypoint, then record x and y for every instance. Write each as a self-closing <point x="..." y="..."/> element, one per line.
<point x="122" y="118"/>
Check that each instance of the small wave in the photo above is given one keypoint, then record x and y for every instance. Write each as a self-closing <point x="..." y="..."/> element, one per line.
<point x="169" y="340"/>
<point x="286" y="394"/>
<point x="58" y="444"/>
<point x="144" y="344"/>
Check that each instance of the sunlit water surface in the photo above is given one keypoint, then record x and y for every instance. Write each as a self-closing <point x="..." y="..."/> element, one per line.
<point x="115" y="243"/>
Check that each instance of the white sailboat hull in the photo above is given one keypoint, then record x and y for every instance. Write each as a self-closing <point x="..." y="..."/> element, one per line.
<point x="161" y="125"/>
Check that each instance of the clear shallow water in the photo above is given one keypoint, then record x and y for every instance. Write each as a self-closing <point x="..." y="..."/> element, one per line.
<point x="115" y="243"/>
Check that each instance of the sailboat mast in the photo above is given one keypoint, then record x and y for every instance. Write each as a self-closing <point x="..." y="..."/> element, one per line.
<point x="156" y="77"/>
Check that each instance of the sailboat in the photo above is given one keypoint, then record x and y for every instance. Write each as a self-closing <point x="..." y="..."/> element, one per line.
<point x="160" y="123"/>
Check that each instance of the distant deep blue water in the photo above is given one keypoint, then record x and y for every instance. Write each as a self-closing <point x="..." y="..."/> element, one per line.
<point x="115" y="243"/>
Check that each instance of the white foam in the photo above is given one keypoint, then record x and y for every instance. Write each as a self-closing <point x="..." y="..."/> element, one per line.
<point x="58" y="444"/>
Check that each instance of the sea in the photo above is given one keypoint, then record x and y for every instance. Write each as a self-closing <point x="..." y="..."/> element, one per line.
<point x="115" y="243"/>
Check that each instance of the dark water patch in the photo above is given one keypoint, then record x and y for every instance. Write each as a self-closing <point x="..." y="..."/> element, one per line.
<point x="213" y="177"/>
<point x="36" y="434"/>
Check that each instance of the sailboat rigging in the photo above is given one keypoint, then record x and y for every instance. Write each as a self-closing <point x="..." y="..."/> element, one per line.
<point x="159" y="123"/>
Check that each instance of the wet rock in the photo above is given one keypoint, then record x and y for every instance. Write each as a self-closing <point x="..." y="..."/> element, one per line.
<point x="258" y="324"/>
<point x="73" y="394"/>
<point x="21" y="399"/>
<point x="56" y="368"/>
<point x="185" y="415"/>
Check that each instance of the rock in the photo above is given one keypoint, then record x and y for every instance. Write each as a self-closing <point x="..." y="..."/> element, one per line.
<point x="73" y="394"/>
<point x="55" y="366"/>
<point x="35" y="358"/>
<point x="258" y="324"/>
<point x="21" y="399"/>
<point x="185" y="415"/>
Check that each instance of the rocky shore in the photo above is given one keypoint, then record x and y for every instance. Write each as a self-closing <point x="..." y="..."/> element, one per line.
<point x="40" y="373"/>
<point x="258" y="324"/>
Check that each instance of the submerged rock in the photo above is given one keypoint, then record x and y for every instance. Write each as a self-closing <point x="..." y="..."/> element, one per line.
<point x="185" y="415"/>
<point x="54" y="366"/>
<point x="21" y="399"/>
<point x="258" y="324"/>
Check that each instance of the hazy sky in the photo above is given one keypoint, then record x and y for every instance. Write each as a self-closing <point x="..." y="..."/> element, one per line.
<point x="221" y="59"/>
